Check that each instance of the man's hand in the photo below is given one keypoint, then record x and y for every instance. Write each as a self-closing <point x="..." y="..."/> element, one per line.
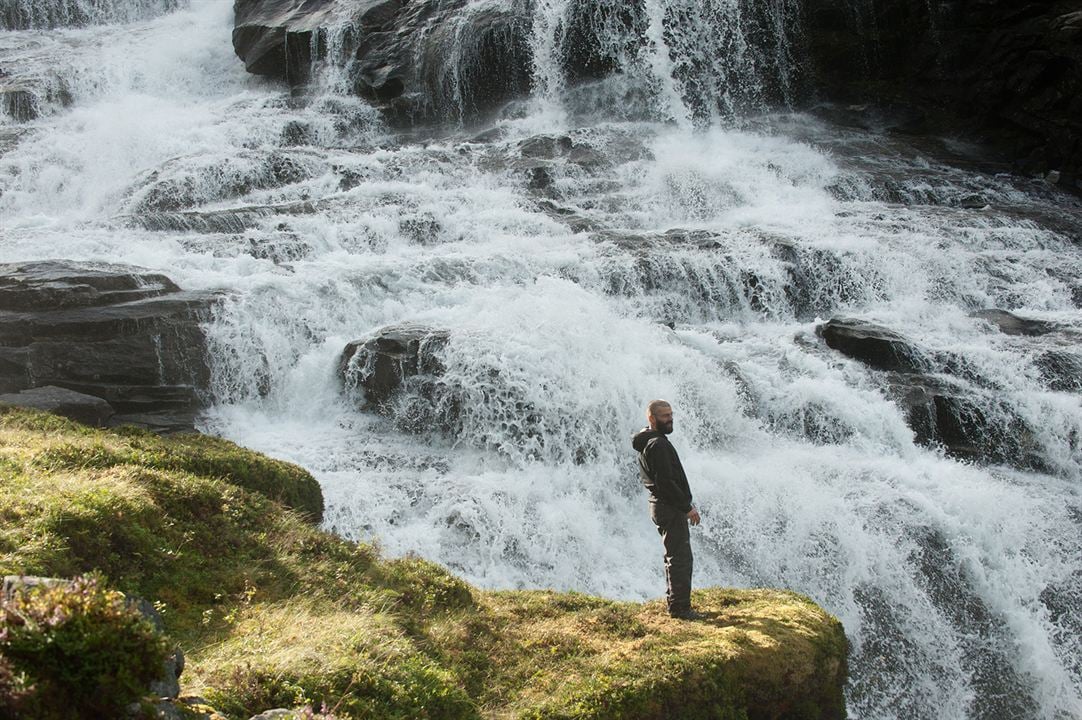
<point x="693" y="516"/>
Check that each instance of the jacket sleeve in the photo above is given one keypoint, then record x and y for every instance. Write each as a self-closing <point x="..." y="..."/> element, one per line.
<point x="660" y="461"/>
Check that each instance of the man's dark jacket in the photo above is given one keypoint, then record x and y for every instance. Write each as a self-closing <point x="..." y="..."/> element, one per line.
<point x="661" y="471"/>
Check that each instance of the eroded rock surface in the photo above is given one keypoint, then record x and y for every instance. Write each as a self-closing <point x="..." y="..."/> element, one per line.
<point x="119" y="333"/>
<point x="422" y="60"/>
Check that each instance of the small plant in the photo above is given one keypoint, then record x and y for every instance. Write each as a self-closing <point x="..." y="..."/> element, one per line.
<point x="77" y="650"/>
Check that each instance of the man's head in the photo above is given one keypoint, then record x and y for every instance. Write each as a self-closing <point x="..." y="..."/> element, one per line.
<point x="659" y="415"/>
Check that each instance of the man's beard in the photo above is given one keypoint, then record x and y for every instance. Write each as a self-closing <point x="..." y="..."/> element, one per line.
<point x="665" y="428"/>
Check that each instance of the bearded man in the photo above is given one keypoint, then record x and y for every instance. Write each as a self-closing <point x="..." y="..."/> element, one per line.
<point x="671" y="508"/>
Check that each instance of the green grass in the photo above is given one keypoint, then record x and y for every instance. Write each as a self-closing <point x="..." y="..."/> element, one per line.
<point x="273" y="612"/>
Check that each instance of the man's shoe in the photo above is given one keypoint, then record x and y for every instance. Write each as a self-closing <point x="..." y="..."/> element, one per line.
<point x="688" y="614"/>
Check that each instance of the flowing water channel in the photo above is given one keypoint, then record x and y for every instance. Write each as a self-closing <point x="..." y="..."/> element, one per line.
<point x="661" y="234"/>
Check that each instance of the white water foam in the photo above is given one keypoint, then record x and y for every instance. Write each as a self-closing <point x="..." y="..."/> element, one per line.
<point x="959" y="584"/>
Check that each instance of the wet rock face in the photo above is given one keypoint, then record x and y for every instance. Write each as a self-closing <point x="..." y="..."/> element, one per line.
<point x="391" y="359"/>
<point x="945" y="401"/>
<point x="1011" y="324"/>
<point x="80" y="407"/>
<point x="1009" y="72"/>
<point x="127" y="336"/>
<point x="872" y="344"/>
<point x="417" y="61"/>
<point x="273" y="37"/>
<point x="40" y="14"/>
<point x="968" y="425"/>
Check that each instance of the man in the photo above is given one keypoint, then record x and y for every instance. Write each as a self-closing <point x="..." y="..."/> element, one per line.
<point x="670" y="504"/>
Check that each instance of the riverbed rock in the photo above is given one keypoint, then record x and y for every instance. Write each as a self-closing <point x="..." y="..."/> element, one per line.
<point x="1060" y="370"/>
<point x="393" y="357"/>
<point x="87" y="409"/>
<point x="873" y="345"/>
<point x="1010" y="324"/>
<point x="417" y="61"/>
<point x="968" y="425"/>
<point x="945" y="400"/>
<point x="119" y="333"/>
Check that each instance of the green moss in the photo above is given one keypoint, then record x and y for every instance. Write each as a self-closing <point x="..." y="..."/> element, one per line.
<point x="273" y="612"/>
<point x="194" y="454"/>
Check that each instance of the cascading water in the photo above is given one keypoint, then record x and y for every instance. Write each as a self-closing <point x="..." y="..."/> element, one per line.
<point x="579" y="262"/>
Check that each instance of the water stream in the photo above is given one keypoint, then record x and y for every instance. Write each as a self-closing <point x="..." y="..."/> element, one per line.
<point x="684" y="248"/>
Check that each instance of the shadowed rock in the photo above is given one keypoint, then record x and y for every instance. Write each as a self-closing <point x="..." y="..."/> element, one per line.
<point x="1011" y="324"/>
<point x="967" y="425"/>
<point x="394" y="356"/>
<point x="431" y="59"/>
<point x="872" y="344"/>
<point x="1004" y="71"/>
<point x="949" y="409"/>
<point x="87" y="409"/>
<point x="1060" y="370"/>
<point x="119" y="333"/>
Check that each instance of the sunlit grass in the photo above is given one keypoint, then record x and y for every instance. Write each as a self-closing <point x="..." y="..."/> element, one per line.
<point x="273" y="612"/>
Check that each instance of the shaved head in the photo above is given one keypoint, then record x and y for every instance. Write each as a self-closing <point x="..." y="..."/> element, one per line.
<point x="656" y="405"/>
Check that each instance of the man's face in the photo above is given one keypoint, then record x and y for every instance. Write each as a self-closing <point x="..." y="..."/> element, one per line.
<point x="661" y="420"/>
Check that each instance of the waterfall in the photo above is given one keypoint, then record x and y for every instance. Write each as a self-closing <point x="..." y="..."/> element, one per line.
<point x="26" y="14"/>
<point x="660" y="226"/>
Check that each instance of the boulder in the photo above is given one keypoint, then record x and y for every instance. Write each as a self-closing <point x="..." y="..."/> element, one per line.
<point x="955" y="408"/>
<point x="274" y="37"/>
<point x="119" y="333"/>
<point x="390" y="359"/>
<point x="872" y="344"/>
<point x="967" y="425"/>
<point x="417" y="61"/>
<point x="1010" y="324"/>
<point x="80" y="407"/>
<point x="1060" y="370"/>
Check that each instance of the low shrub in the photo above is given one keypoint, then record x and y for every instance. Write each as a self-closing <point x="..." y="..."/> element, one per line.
<point x="76" y="650"/>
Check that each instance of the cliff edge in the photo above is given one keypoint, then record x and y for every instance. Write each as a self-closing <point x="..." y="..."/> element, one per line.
<point x="272" y="612"/>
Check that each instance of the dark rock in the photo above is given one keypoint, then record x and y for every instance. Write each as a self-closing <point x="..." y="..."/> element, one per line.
<point x="995" y="70"/>
<point x="168" y="685"/>
<point x="393" y="357"/>
<point x="547" y="147"/>
<point x="296" y="133"/>
<point x="234" y="220"/>
<point x="274" y="37"/>
<point x="20" y="104"/>
<point x="973" y="202"/>
<point x="872" y="344"/>
<point x="418" y="61"/>
<point x="86" y="409"/>
<point x="119" y="333"/>
<point x="1011" y="324"/>
<point x="970" y="426"/>
<point x="48" y="14"/>
<point x="1060" y="370"/>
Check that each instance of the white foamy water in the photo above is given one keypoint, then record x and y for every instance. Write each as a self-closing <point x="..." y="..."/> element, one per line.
<point x="639" y="259"/>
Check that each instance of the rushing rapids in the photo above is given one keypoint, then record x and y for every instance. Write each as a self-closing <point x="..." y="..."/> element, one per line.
<point x="653" y="232"/>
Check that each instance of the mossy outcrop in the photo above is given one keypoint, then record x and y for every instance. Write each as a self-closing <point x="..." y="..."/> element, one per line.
<point x="272" y="612"/>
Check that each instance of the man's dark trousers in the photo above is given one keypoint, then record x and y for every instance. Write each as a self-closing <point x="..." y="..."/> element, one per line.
<point x="672" y="525"/>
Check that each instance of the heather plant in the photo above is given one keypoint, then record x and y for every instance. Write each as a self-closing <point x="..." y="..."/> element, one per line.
<point x="76" y="650"/>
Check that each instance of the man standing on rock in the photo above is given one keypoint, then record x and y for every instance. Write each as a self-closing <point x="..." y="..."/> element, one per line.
<point x="670" y="504"/>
